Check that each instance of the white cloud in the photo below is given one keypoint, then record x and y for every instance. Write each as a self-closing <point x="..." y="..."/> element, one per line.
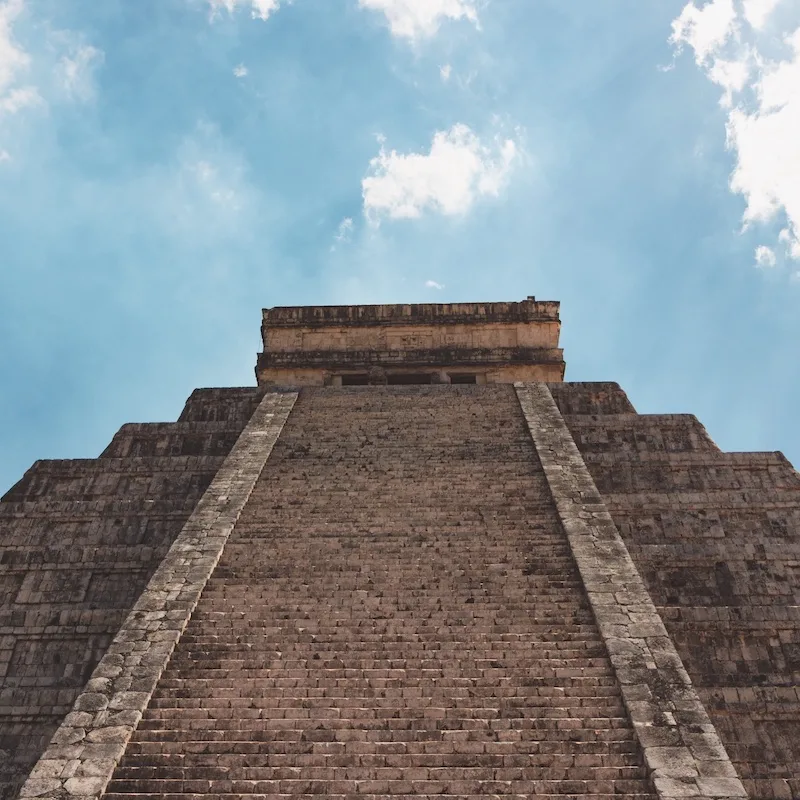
<point x="762" y="95"/>
<point x="64" y="66"/>
<point x="76" y="71"/>
<point x="757" y="11"/>
<point x="19" y="98"/>
<point x="704" y="29"/>
<point x="765" y="256"/>
<point x="449" y="179"/>
<point x="731" y="76"/>
<point x="12" y="58"/>
<point x="434" y="285"/>
<point x="260" y="9"/>
<point x="14" y="61"/>
<point x="263" y="8"/>
<point x="417" y="19"/>
<point x="240" y="71"/>
<point x="445" y="71"/>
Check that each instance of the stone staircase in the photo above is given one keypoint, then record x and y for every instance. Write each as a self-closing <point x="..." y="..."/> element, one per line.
<point x="397" y="612"/>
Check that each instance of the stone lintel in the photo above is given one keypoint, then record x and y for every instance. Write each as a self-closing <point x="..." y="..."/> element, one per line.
<point x="682" y="750"/>
<point x="412" y="358"/>
<point x="84" y="751"/>
<point x="500" y="365"/>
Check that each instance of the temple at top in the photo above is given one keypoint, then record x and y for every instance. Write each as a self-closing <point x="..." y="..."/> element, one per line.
<point x="476" y="343"/>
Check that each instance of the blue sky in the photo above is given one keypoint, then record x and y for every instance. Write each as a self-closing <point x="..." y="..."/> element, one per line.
<point x="170" y="167"/>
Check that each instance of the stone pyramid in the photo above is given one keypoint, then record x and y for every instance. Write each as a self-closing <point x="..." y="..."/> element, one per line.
<point x="411" y="562"/>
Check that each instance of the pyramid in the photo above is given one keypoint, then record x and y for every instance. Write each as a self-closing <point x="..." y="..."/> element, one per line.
<point x="411" y="561"/>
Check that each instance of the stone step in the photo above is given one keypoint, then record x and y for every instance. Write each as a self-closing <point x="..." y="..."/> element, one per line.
<point x="367" y="772"/>
<point x="208" y="728"/>
<point x="455" y="785"/>
<point x="142" y="751"/>
<point x="313" y="793"/>
<point x="235" y="761"/>
<point x="587" y="782"/>
<point x="200" y="691"/>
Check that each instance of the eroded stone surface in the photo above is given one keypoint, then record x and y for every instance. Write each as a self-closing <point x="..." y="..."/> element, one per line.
<point x="79" y="539"/>
<point x="395" y="614"/>
<point x="657" y="690"/>
<point x="82" y="754"/>
<point x="716" y="539"/>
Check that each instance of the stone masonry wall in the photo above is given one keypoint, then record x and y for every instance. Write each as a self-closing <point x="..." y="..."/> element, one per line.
<point x="395" y="613"/>
<point x="79" y="539"/>
<point x="716" y="537"/>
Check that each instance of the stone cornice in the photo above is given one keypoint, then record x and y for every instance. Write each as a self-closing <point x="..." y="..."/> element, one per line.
<point x="410" y="314"/>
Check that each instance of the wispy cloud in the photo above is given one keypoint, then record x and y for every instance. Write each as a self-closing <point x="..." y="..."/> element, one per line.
<point x="12" y="57"/>
<point x="445" y="71"/>
<point x="75" y="71"/>
<point x="433" y="285"/>
<point x="420" y="19"/>
<point x="259" y="9"/>
<point x="19" y="98"/>
<point x="209" y="182"/>
<point x="765" y="257"/>
<point x="344" y="232"/>
<point x="203" y="194"/>
<point x="448" y="179"/>
<point x="762" y="95"/>
<point x="15" y="95"/>
<point x="757" y="11"/>
<point x="240" y="71"/>
<point x="705" y="29"/>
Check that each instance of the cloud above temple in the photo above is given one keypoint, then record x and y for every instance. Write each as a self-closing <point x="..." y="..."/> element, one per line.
<point x="15" y="92"/>
<point x="12" y="57"/>
<point x="259" y="9"/>
<point x="412" y="20"/>
<point x="756" y="65"/>
<point x="421" y="19"/>
<point x="458" y="170"/>
<point x="75" y="71"/>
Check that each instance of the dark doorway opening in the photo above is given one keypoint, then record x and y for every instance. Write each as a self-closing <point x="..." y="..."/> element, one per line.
<point x="408" y="378"/>
<point x="404" y="379"/>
